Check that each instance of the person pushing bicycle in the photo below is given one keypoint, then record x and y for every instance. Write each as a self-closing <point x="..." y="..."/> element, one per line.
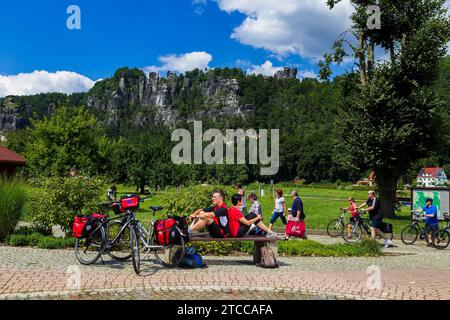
<point x="376" y="216"/>
<point x="432" y="222"/>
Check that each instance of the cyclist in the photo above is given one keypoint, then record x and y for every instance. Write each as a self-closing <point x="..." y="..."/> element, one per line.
<point x="376" y="216"/>
<point x="432" y="222"/>
<point x="215" y="218"/>
<point x="353" y="210"/>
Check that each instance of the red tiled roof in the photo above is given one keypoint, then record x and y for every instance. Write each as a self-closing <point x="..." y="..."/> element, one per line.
<point x="10" y="157"/>
<point x="429" y="172"/>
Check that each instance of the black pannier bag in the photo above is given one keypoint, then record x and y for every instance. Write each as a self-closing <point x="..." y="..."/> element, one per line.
<point x="386" y="228"/>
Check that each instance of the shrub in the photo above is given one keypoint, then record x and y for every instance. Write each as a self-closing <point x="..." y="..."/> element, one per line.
<point x="13" y="196"/>
<point x="55" y="243"/>
<point x="184" y="201"/>
<point x="39" y="240"/>
<point x="62" y="197"/>
<point x="313" y="248"/>
<point x="18" y="240"/>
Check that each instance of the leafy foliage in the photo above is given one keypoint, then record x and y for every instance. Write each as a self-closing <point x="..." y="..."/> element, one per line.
<point x="13" y="195"/>
<point x="184" y="201"/>
<point x="61" y="198"/>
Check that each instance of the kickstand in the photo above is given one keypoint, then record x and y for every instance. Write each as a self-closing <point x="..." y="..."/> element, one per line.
<point x="101" y="258"/>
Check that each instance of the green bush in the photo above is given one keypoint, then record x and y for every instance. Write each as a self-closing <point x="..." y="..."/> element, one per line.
<point x="55" y="243"/>
<point x="184" y="201"/>
<point x="26" y="230"/>
<point x="313" y="248"/>
<point x="39" y="240"/>
<point x="18" y="240"/>
<point x="60" y="198"/>
<point x="13" y="196"/>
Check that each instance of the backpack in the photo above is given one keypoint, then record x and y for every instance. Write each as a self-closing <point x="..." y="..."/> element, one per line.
<point x="268" y="259"/>
<point x="192" y="259"/>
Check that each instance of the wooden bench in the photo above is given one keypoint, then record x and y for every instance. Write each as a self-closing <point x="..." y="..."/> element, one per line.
<point x="259" y="242"/>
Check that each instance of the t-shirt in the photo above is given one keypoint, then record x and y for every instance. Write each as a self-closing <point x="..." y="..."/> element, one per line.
<point x="353" y="209"/>
<point x="220" y="217"/>
<point x="234" y="214"/>
<point x="376" y="213"/>
<point x="297" y="206"/>
<point x="255" y="208"/>
<point x="431" y="210"/>
<point x="279" y="204"/>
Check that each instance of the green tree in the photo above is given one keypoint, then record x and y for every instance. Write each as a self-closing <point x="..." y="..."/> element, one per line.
<point x="391" y="117"/>
<point x="68" y="138"/>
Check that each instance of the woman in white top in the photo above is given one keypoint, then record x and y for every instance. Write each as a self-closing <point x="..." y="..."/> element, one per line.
<point x="279" y="210"/>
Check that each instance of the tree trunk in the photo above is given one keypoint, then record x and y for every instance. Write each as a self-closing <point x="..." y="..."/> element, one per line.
<point x="387" y="191"/>
<point x="362" y="59"/>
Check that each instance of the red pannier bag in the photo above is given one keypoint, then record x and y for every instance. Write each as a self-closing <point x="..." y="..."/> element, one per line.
<point x="78" y="226"/>
<point x="129" y="203"/>
<point x="296" y="229"/>
<point x="165" y="231"/>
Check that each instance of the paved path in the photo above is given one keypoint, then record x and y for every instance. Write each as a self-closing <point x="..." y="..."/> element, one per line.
<point x="414" y="272"/>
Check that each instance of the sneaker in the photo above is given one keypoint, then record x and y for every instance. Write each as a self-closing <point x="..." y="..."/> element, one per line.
<point x="271" y="234"/>
<point x="387" y="243"/>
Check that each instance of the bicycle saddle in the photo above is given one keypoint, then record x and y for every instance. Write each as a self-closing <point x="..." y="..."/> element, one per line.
<point x="156" y="208"/>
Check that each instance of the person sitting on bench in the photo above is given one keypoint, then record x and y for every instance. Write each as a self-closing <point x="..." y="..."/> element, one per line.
<point x="240" y="225"/>
<point x="215" y="218"/>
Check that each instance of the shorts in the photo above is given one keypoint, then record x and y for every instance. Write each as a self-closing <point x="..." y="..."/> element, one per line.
<point x="215" y="230"/>
<point x="243" y="229"/>
<point x="376" y="223"/>
<point x="430" y="228"/>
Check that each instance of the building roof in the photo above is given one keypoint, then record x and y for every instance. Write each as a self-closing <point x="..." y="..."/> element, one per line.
<point x="10" y="157"/>
<point x="430" y="172"/>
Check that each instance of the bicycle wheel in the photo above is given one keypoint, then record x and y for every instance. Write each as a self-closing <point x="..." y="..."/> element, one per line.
<point x="334" y="228"/>
<point x="120" y="250"/>
<point x="409" y="235"/>
<point x="88" y="250"/>
<point x="354" y="235"/>
<point x="135" y="249"/>
<point x="170" y="256"/>
<point x="441" y="239"/>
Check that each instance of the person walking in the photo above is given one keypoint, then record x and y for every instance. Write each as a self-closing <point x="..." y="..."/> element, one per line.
<point x="279" y="210"/>
<point x="376" y="216"/>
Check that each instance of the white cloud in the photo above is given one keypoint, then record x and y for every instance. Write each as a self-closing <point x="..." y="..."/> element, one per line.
<point x="43" y="82"/>
<point x="302" y="27"/>
<point x="266" y="69"/>
<point x="182" y="62"/>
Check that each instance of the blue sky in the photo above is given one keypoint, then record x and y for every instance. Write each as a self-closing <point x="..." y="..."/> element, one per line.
<point x="259" y="36"/>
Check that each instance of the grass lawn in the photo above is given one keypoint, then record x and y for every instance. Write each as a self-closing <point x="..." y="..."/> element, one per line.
<point x="321" y="204"/>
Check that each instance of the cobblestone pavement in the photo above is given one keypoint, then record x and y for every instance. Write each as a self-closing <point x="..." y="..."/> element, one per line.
<point x="415" y="272"/>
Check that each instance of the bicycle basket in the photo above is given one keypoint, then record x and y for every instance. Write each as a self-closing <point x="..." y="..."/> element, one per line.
<point x="130" y="203"/>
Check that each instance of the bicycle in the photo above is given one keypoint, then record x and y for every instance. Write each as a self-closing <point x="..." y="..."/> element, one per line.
<point x="140" y="237"/>
<point x="335" y="226"/>
<point x="358" y="227"/>
<point x="98" y="242"/>
<point x="410" y="233"/>
<point x="441" y="238"/>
